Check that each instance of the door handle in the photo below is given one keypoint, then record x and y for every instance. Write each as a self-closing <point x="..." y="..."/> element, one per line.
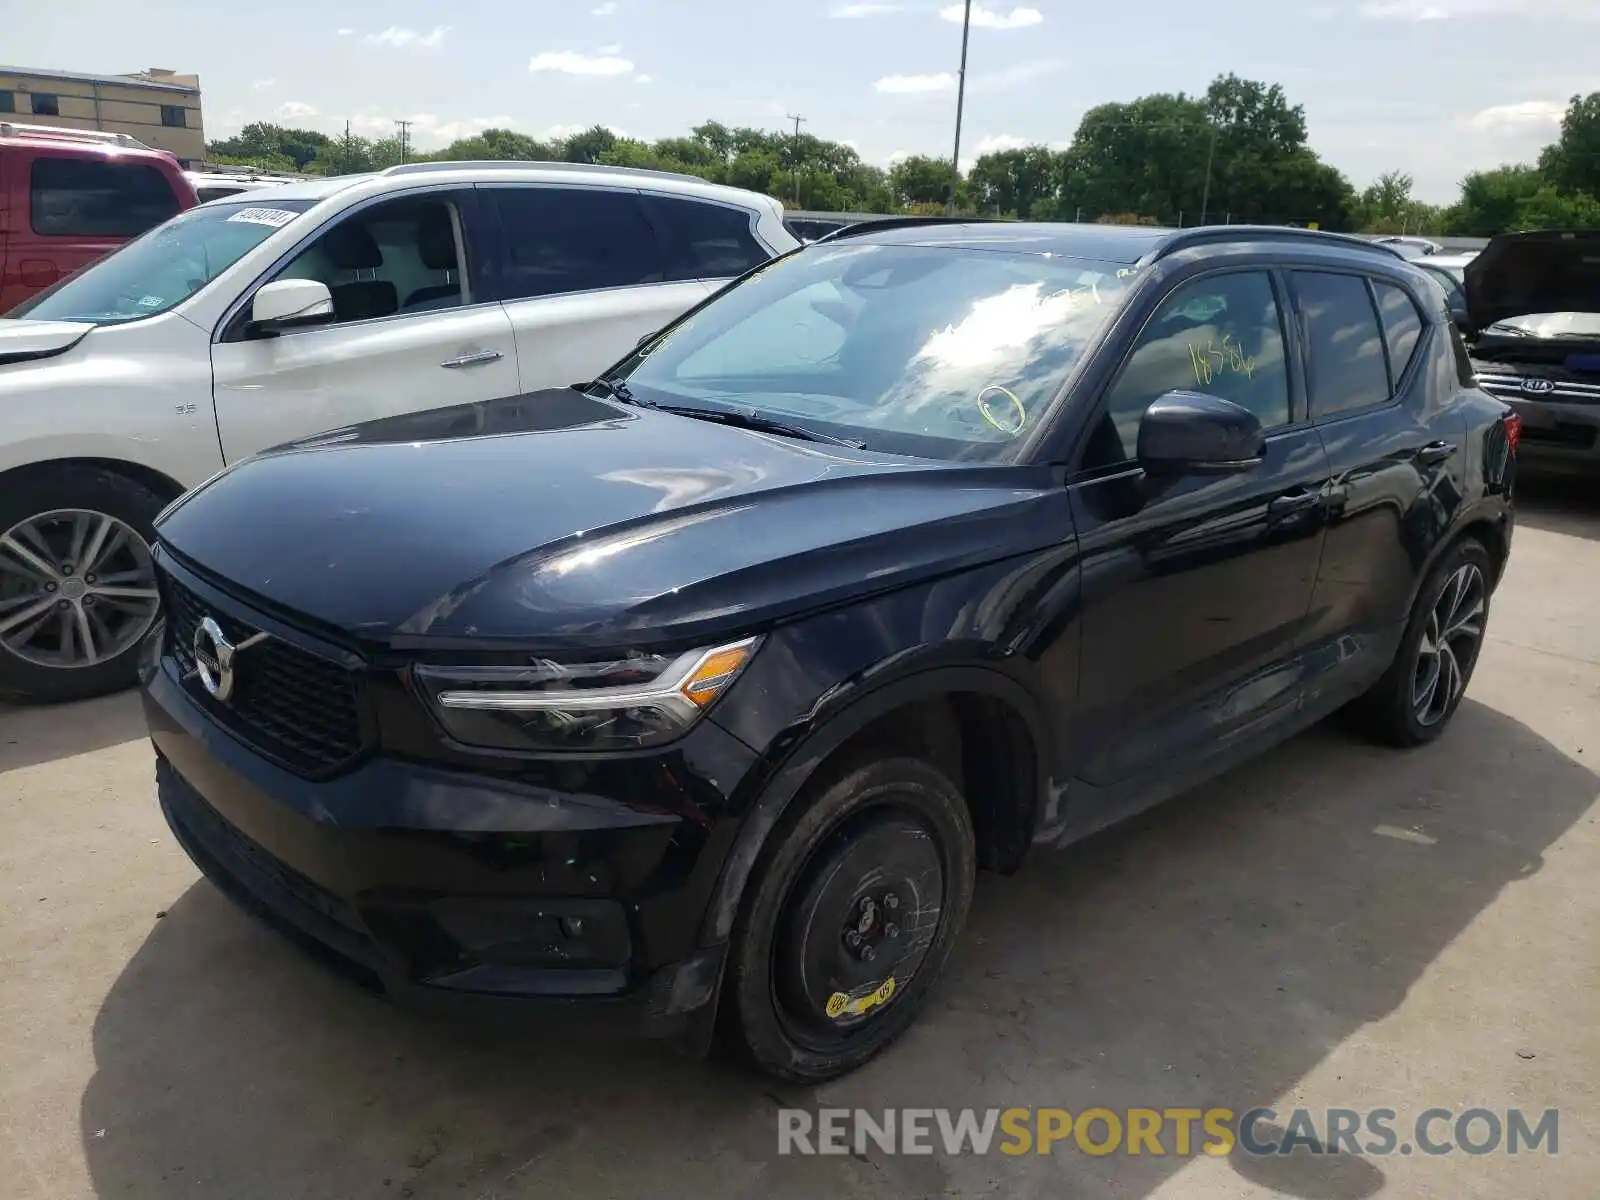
<point x="1435" y="452"/>
<point x="476" y="359"/>
<point x="1290" y="503"/>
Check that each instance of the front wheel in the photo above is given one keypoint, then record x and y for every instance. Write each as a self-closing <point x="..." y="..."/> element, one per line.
<point x="1422" y="689"/>
<point x="850" y="919"/>
<point x="77" y="586"/>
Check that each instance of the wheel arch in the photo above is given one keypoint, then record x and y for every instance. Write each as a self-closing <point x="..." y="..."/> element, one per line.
<point x="997" y="724"/>
<point x="163" y="485"/>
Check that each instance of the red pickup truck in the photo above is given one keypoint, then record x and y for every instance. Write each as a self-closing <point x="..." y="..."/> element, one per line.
<point x="67" y="196"/>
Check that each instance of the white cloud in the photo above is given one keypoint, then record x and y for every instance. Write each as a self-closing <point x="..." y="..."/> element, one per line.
<point x="605" y="10"/>
<point x="996" y="142"/>
<point x="296" y="108"/>
<point x="643" y="78"/>
<point x="1016" y="76"/>
<point x="262" y="85"/>
<point x="568" y="62"/>
<point x="409" y="39"/>
<point x="613" y="48"/>
<point x="1520" y="117"/>
<point x="854" y="12"/>
<point x="343" y="32"/>
<point x="989" y="18"/>
<point x="913" y="85"/>
<point x="899" y="156"/>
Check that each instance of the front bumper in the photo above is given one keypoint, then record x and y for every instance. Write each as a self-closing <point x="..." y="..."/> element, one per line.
<point x="1558" y="434"/>
<point x="452" y="891"/>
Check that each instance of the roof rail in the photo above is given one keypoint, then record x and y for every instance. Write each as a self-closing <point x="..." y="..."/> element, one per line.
<point x="874" y="225"/>
<point x="1203" y="235"/>
<point x="525" y="164"/>
<point x="67" y="133"/>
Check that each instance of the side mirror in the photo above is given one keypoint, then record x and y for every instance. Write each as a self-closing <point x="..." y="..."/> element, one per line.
<point x="288" y="303"/>
<point x="1191" y="431"/>
<point x="1462" y="319"/>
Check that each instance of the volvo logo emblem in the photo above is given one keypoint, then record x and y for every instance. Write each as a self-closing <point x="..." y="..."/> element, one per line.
<point x="1538" y="387"/>
<point x="213" y="657"/>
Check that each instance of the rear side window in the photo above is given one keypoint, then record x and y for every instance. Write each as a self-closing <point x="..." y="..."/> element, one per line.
<point x="704" y="241"/>
<point x="560" y="240"/>
<point x="1402" y="327"/>
<point x="92" y="197"/>
<point x="1346" y="370"/>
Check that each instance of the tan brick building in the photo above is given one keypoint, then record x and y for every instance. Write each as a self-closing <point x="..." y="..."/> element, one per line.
<point x="160" y="108"/>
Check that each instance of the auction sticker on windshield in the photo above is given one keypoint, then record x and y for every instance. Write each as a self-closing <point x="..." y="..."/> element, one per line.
<point x="275" y="217"/>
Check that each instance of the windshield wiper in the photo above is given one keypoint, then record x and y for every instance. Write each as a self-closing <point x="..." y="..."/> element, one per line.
<point x="615" y="387"/>
<point x="749" y="418"/>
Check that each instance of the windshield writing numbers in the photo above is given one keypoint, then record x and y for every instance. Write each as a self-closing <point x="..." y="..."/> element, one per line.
<point x="1208" y="359"/>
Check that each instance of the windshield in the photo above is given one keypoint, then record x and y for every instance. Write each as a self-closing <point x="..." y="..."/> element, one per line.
<point x="937" y="351"/>
<point x="164" y="267"/>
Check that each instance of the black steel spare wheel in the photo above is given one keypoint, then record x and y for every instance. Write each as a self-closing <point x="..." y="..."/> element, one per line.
<point x="858" y="926"/>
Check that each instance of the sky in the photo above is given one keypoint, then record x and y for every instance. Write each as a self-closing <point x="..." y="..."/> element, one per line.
<point x="1435" y="88"/>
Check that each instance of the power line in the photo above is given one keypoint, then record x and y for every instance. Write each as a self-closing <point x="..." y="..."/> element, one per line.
<point x="405" y="139"/>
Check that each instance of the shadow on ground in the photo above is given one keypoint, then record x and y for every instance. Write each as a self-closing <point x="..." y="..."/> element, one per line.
<point x="1210" y="953"/>
<point x="31" y="734"/>
<point x="1560" y="504"/>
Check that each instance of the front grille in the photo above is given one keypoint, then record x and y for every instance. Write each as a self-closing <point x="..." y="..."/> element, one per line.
<point x="1565" y="389"/>
<point x="298" y="708"/>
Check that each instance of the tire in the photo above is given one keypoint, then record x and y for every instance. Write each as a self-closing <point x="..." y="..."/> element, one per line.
<point x="890" y="841"/>
<point x="47" y="500"/>
<point x="1398" y="709"/>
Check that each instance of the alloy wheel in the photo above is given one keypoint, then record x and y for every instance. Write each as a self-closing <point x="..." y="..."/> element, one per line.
<point x="1449" y="646"/>
<point x="77" y="588"/>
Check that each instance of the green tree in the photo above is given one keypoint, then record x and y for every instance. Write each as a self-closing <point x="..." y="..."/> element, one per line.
<point x="347" y="155"/>
<point x="1146" y="156"/>
<point x="920" y="179"/>
<point x="1490" y="201"/>
<point x="1016" y="183"/>
<point x="589" y="146"/>
<point x="1549" y="208"/>
<point x="495" y="145"/>
<point x="1572" y="164"/>
<point x="262" y="141"/>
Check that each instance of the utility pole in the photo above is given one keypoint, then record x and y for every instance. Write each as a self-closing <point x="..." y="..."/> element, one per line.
<point x="798" y="121"/>
<point x="405" y="140"/>
<point x="961" y="99"/>
<point x="1205" y="196"/>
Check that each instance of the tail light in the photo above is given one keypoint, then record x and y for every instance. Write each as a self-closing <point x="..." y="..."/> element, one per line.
<point x="1513" y="427"/>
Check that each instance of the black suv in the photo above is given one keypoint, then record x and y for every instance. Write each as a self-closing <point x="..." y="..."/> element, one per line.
<point x="713" y="682"/>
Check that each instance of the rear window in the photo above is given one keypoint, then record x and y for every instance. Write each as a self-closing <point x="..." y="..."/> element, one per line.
<point x="1346" y="344"/>
<point x="562" y="240"/>
<point x="1402" y="326"/>
<point x="703" y="240"/>
<point x="96" y="197"/>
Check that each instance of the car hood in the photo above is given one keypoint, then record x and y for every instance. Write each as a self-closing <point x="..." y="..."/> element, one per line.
<point x="1534" y="273"/>
<point x="558" y="519"/>
<point x="1550" y="325"/>
<point x="21" y="339"/>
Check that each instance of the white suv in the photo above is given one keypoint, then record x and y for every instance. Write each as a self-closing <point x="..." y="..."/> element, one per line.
<point x="242" y="324"/>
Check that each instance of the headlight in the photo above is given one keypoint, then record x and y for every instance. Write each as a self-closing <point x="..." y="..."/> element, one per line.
<point x="619" y="704"/>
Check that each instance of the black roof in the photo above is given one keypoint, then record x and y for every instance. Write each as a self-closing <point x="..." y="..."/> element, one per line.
<point x="1106" y="243"/>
